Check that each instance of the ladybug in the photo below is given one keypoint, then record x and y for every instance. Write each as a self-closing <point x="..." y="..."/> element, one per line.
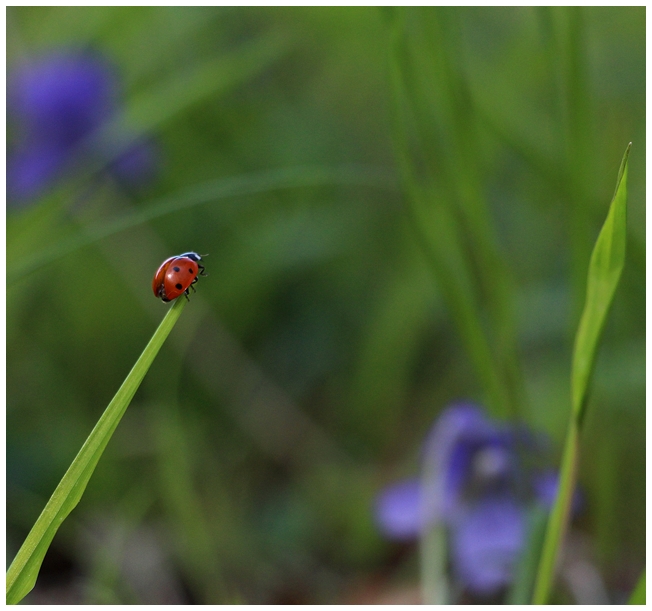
<point x="176" y="275"/>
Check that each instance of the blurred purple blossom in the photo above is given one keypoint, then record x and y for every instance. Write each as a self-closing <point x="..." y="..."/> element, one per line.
<point x="30" y="169"/>
<point x="62" y="97"/>
<point x="486" y="541"/>
<point x="474" y="482"/>
<point x="467" y="451"/>
<point x="55" y="103"/>
<point x="397" y="510"/>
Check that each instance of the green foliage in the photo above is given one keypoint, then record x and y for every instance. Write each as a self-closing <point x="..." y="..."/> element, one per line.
<point x="21" y="575"/>
<point x="605" y="269"/>
<point x="606" y="266"/>
<point x="520" y="592"/>
<point x="638" y="595"/>
<point x="441" y="177"/>
<point x="222" y="189"/>
<point x="399" y="207"/>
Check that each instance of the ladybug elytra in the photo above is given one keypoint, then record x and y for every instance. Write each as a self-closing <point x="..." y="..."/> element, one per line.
<point x="176" y="275"/>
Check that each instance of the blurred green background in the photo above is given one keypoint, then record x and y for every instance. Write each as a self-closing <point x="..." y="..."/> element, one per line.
<point x="308" y="367"/>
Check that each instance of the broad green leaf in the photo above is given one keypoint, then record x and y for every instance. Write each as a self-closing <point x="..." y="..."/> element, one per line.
<point x="638" y="595"/>
<point x="23" y="571"/>
<point x="605" y="267"/>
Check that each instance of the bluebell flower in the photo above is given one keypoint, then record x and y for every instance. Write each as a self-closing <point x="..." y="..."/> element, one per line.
<point x="55" y="105"/>
<point x="476" y="484"/>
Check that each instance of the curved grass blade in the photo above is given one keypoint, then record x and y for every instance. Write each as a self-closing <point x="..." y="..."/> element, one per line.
<point x="23" y="571"/>
<point x="607" y="262"/>
<point x="222" y="188"/>
<point x="638" y="595"/>
<point x="605" y="268"/>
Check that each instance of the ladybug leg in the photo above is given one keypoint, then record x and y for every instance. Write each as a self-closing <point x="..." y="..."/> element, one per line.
<point x="185" y="294"/>
<point x="201" y="270"/>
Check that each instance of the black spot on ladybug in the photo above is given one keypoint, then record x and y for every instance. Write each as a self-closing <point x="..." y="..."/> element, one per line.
<point x="178" y="286"/>
<point x="176" y="269"/>
<point x="191" y="272"/>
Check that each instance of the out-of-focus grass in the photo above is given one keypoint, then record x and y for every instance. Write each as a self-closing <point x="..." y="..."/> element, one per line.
<point x="336" y="343"/>
<point x="433" y="109"/>
<point x="224" y="189"/>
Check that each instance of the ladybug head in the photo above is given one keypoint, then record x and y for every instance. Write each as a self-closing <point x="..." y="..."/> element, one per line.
<point x="191" y="255"/>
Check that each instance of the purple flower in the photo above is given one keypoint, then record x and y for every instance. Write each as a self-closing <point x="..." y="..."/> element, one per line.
<point x="62" y="97"/>
<point x="55" y="104"/>
<point x="473" y="482"/>
<point x="31" y="169"/>
<point x="466" y="452"/>
<point x="486" y="542"/>
<point x="397" y="510"/>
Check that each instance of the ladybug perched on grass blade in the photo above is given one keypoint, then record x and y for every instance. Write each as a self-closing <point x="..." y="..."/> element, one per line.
<point x="176" y="275"/>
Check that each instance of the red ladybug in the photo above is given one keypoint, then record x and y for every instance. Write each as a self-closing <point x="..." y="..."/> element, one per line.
<point x="176" y="275"/>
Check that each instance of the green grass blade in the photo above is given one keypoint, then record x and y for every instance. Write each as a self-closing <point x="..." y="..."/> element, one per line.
<point x="520" y="592"/>
<point x="23" y="571"/>
<point x="211" y="191"/>
<point x="605" y="267"/>
<point x="558" y="520"/>
<point x="607" y="262"/>
<point x="638" y="595"/>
